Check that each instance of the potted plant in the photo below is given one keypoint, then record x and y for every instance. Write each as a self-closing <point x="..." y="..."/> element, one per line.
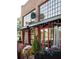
<point x="36" y="47"/>
<point x="42" y="16"/>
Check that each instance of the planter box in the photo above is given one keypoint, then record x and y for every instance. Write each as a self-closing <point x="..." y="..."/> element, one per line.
<point x="55" y="55"/>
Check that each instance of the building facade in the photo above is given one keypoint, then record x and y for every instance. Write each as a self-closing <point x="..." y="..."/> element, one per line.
<point x="42" y="18"/>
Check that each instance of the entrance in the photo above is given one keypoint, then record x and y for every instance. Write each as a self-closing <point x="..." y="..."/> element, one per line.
<point x="44" y="37"/>
<point x="50" y="37"/>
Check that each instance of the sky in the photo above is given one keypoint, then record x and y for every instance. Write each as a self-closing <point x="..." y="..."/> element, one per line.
<point x="19" y="4"/>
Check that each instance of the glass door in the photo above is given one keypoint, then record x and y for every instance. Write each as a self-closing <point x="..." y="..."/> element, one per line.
<point x="44" y="37"/>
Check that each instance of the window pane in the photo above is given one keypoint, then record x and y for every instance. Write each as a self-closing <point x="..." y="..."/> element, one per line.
<point x="59" y="8"/>
<point x="56" y="10"/>
<point x="51" y="36"/>
<point x="59" y="4"/>
<point x="59" y="12"/>
<point x="59" y="0"/>
<point x="46" y="37"/>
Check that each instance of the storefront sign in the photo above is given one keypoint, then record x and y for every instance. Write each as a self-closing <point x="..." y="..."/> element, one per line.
<point x="33" y="15"/>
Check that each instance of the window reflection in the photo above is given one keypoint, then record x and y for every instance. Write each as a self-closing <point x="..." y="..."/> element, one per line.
<point x="50" y="8"/>
<point x="27" y="18"/>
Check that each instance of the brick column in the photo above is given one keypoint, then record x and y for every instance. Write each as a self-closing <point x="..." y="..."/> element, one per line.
<point x="29" y="37"/>
<point x="38" y="19"/>
<point x="22" y="36"/>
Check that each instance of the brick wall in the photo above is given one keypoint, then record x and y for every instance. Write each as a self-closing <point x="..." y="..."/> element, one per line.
<point x="30" y="5"/>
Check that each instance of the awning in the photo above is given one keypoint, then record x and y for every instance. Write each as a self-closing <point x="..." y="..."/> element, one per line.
<point x="47" y="20"/>
<point x="44" y="21"/>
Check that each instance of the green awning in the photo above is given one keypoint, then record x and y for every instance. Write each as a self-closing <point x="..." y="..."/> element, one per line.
<point x="44" y="21"/>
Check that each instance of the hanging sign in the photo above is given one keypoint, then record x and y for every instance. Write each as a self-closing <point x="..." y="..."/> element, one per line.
<point x="33" y="15"/>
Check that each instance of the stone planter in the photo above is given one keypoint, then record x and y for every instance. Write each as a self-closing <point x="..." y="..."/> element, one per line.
<point x="54" y="55"/>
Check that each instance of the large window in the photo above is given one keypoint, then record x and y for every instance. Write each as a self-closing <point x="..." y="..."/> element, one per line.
<point x="32" y="34"/>
<point x="57" y="33"/>
<point x="44" y="37"/>
<point x="27" y="18"/>
<point x="51" y="37"/>
<point x="25" y="37"/>
<point x="51" y="8"/>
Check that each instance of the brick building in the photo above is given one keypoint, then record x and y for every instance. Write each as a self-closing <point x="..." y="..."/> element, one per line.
<point x="43" y="19"/>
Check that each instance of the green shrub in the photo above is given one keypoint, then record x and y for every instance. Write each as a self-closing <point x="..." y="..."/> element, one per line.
<point x="36" y="46"/>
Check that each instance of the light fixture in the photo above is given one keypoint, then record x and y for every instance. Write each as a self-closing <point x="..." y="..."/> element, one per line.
<point x="46" y="30"/>
<point x="41" y="30"/>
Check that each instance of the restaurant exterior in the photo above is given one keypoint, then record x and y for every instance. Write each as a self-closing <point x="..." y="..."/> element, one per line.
<point x="42" y="18"/>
